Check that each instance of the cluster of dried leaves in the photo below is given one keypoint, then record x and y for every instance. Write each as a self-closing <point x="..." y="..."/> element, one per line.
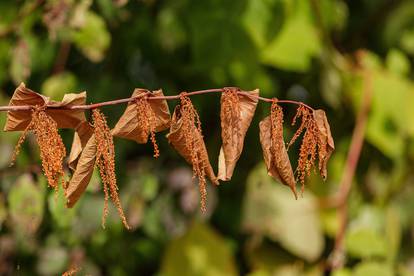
<point x="93" y="144"/>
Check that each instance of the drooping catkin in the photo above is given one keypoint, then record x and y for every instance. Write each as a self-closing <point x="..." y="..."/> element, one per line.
<point x="52" y="149"/>
<point x="276" y="118"/>
<point x="309" y="147"/>
<point x="147" y="121"/>
<point x="193" y="143"/>
<point x="230" y="116"/>
<point x="105" y="160"/>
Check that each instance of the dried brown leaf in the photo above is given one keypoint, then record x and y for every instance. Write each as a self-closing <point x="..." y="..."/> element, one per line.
<point x="83" y="173"/>
<point x="186" y="137"/>
<point x="326" y="143"/>
<point x="68" y="118"/>
<point x="83" y="133"/>
<point x="236" y="115"/>
<point x="276" y="158"/>
<point x="129" y="125"/>
<point x="19" y="120"/>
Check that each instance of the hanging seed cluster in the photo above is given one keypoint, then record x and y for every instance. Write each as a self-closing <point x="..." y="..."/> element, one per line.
<point x="276" y="118"/>
<point x="105" y="160"/>
<point x="95" y="145"/>
<point x="310" y="143"/>
<point x="230" y="117"/>
<point x="193" y="143"/>
<point x="52" y="149"/>
<point x="147" y="121"/>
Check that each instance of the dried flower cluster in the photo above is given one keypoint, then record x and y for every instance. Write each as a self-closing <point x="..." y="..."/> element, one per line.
<point x="186" y="136"/>
<point x="147" y="121"/>
<point x="230" y="117"/>
<point x="317" y="142"/>
<point x="52" y="149"/>
<point x="236" y="115"/>
<point x="274" y="150"/>
<point x="93" y="144"/>
<point x="71" y="272"/>
<point x="105" y="160"/>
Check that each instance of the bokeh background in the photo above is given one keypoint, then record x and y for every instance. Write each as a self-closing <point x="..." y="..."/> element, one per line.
<point x="306" y="50"/>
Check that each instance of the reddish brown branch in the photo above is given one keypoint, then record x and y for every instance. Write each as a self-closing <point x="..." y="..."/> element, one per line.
<point x="131" y="99"/>
<point x="340" y="200"/>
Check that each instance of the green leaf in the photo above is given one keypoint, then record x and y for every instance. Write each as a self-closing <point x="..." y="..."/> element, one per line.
<point x="3" y="210"/>
<point x="263" y="19"/>
<point x="20" y="66"/>
<point x="52" y="260"/>
<point x="397" y="62"/>
<point x="92" y="38"/>
<point x="392" y="106"/>
<point x="296" y="44"/>
<point x="201" y="251"/>
<point x="372" y="269"/>
<point x="270" y="209"/>
<point x="342" y="272"/>
<point x="26" y="205"/>
<point x="61" y="215"/>
<point x="393" y="233"/>
<point x="362" y="243"/>
<point x="57" y="85"/>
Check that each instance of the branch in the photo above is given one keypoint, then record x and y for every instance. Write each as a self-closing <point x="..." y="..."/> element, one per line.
<point x="340" y="200"/>
<point x="131" y="99"/>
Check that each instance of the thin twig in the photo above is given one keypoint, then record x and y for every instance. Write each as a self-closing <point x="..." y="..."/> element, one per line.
<point x="340" y="200"/>
<point x="149" y="97"/>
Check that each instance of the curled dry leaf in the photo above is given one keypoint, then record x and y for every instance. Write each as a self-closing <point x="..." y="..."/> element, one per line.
<point x="19" y="120"/>
<point x="83" y="173"/>
<point x="326" y="143"/>
<point x="274" y="150"/>
<point x="236" y="115"/>
<point x="83" y="133"/>
<point x="143" y="117"/>
<point x="186" y="137"/>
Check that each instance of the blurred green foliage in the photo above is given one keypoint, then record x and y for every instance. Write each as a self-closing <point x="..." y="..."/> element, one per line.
<point x="303" y="50"/>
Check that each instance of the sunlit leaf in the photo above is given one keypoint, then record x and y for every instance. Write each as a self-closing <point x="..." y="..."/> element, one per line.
<point x="61" y="215"/>
<point x="372" y="269"/>
<point x="56" y="86"/>
<point x="397" y="62"/>
<point x="365" y="243"/>
<point x="201" y="251"/>
<point x="26" y="204"/>
<point x="296" y="44"/>
<point x="92" y="38"/>
<point x="20" y="67"/>
<point x="52" y="260"/>
<point x="270" y="210"/>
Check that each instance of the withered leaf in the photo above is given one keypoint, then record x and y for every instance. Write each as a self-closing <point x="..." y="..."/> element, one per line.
<point x="278" y="167"/>
<point x="81" y="136"/>
<point x="68" y="118"/>
<point x="83" y="173"/>
<point x="178" y="140"/>
<point x="19" y="120"/>
<point x="325" y="141"/>
<point x="233" y="135"/>
<point x="129" y="126"/>
<point x="65" y="118"/>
